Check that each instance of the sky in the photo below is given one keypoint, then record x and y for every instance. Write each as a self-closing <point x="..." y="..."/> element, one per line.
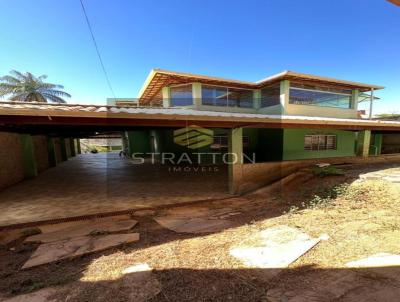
<point x="356" y="40"/>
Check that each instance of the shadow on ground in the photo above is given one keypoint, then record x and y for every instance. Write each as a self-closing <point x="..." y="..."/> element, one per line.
<point x="180" y="284"/>
<point x="309" y="284"/>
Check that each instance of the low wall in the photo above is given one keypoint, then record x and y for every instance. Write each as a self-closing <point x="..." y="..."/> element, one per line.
<point x="11" y="166"/>
<point x="41" y="152"/>
<point x="12" y="159"/>
<point x="249" y="177"/>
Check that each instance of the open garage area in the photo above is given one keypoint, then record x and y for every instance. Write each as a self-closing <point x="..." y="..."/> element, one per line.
<point x="47" y="176"/>
<point x="104" y="183"/>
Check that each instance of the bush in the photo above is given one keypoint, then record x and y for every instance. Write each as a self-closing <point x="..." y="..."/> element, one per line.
<point x="326" y="171"/>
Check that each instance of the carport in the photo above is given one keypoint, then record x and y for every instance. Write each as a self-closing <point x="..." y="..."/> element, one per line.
<point x="65" y="184"/>
<point x="69" y="184"/>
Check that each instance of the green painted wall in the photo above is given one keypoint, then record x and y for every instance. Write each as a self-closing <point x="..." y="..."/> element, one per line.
<point x="138" y="141"/>
<point x="78" y="146"/>
<point x="72" y="146"/>
<point x="269" y="145"/>
<point x="28" y="156"/>
<point x="64" y="148"/>
<point x="293" y="144"/>
<point x="164" y="142"/>
<point x="52" y="152"/>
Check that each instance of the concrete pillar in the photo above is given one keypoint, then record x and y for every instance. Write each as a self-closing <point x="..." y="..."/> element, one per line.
<point x="235" y="149"/>
<point x="72" y="147"/>
<point x="257" y="99"/>
<point x="371" y="103"/>
<point x="284" y="94"/>
<point x="377" y="144"/>
<point x="28" y="156"/>
<point x="51" y="150"/>
<point x="363" y="143"/>
<point x="354" y="99"/>
<point x="63" y="145"/>
<point x="196" y="95"/>
<point x="78" y="146"/>
<point x="166" y="95"/>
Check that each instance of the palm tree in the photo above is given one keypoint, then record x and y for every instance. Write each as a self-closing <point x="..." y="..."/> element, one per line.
<point x="25" y="87"/>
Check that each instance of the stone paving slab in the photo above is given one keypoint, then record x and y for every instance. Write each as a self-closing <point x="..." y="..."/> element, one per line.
<point x="64" y="231"/>
<point x="192" y="225"/>
<point x="66" y="249"/>
<point x="384" y="264"/>
<point x="377" y="260"/>
<point x="390" y="175"/>
<point x="275" y="247"/>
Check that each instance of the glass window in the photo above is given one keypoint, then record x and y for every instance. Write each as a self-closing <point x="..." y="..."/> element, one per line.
<point x="221" y="142"/>
<point x="240" y="98"/>
<point x="214" y="96"/>
<point x="303" y="96"/>
<point x="320" y="142"/>
<point x="226" y="97"/>
<point x="181" y="95"/>
<point x="270" y="96"/>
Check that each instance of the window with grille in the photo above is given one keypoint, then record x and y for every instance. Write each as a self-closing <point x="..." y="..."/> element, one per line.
<point x="320" y="142"/>
<point x="221" y="142"/>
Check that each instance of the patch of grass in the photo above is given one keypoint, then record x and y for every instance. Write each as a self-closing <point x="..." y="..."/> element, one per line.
<point x="326" y="171"/>
<point x="27" y="286"/>
<point x="322" y="199"/>
<point x="30" y="232"/>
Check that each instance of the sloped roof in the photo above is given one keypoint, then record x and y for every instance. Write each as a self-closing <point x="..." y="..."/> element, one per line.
<point x="74" y="114"/>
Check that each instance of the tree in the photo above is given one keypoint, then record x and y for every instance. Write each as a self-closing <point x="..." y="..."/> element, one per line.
<point x="25" y="87"/>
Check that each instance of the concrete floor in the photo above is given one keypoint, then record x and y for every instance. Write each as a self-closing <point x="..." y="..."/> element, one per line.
<point x="102" y="183"/>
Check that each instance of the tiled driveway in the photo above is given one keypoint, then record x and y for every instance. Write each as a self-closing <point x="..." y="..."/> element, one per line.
<point x="100" y="183"/>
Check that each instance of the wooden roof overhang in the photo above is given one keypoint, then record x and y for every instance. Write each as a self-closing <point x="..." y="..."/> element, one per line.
<point x="319" y="81"/>
<point x="172" y="118"/>
<point x="151" y="91"/>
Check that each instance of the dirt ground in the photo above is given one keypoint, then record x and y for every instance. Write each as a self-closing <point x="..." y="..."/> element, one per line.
<point x="361" y="220"/>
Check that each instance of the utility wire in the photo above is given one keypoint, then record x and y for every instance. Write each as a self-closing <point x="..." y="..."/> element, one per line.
<point x="97" y="49"/>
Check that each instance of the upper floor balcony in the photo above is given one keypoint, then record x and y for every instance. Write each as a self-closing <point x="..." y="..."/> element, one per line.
<point x="297" y="94"/>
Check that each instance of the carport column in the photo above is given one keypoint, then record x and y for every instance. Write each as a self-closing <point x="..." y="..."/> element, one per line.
<point x="235" y="144"/>
<point x="284" y="94"/>
<point x="51" y="150"/>
<point x="78" y="146"/>
<point x="28" y="156"/>
<point x="72" y="146"/>
<point x="196" y="95"/>
<point x="363" y="143"/>
<point x="166" y="95"/>
<point x="378" y="143"/>
<point x="63" y="146"/>
<point x="257" y="99"/>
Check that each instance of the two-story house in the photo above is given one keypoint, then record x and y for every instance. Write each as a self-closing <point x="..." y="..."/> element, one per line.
<point x="286" y="95"/>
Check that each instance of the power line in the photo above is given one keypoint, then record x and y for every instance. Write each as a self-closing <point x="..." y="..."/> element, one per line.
<point x="97" y="49"/>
